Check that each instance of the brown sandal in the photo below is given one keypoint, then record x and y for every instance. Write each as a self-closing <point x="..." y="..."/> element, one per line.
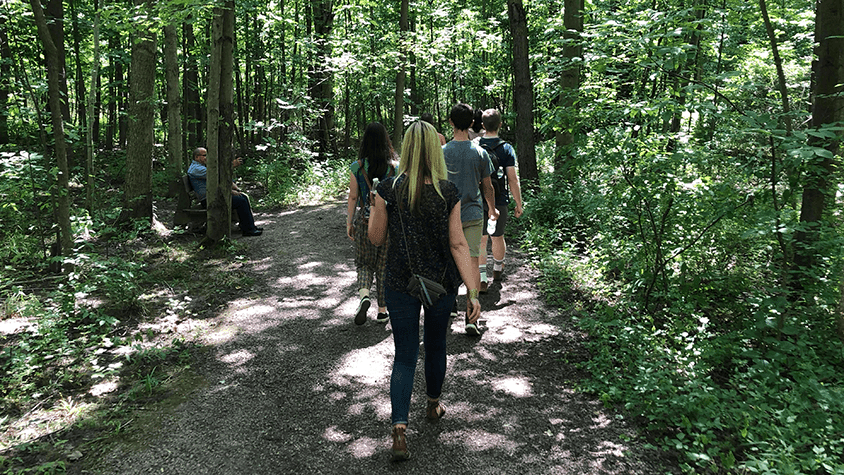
<point x="435" y="410"/>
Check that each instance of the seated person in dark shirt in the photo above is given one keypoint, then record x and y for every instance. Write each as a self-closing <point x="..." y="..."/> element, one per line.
<point x="197" y="173"/>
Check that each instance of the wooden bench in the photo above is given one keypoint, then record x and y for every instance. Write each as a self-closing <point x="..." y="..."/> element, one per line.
<point x="189" y="210"/>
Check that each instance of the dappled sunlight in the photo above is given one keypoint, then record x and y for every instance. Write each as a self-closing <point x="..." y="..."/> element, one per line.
<point x="263" y="265"/>
<point x="237" y="358"/>
<point x="364" y="447"/>
<point x="477" y="440"/>
<point x="607" y="448"/>
<point x="370" y="365"/>
<point x="517" y="386"/>
<point x="45" y="420"/>
<point x="333" y="434"/>
<point x="104" y="387"/>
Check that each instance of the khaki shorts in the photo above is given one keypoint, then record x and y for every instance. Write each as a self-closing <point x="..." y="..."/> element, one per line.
<point x="473" y="230"/>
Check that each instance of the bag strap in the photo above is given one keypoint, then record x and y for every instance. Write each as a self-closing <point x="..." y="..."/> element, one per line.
<point x="363" y="201"/>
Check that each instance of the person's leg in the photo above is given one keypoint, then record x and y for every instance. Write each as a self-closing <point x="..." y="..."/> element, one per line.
<point x="244" y="213"/>
<point x="473" y="231"/>
<point x="364" y="251"/>
<point x="436" y="327"/>
<point x="404" y="314"/>
<point x="380" y="288"/>
<point x="499" y="246"/>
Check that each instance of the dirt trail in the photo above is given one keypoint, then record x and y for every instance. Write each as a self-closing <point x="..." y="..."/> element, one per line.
<point x="291" y="385"/>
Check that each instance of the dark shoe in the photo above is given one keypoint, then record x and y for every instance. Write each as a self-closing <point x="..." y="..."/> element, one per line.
<point x="254" y="232"/>
<point x="400" y="451"/>
<point x="496" y="275"/>
<point x="435" y="410"/>
<point x="454" y="310"/>
<point x="472" y="328"/>
<point x="484" y="287"/>
<point x="363" y="306"/>
<point x="382" y="317"/>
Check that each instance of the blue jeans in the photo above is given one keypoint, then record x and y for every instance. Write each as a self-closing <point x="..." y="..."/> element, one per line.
<point x="240" y="205"/>
<point x="404" y="317"/>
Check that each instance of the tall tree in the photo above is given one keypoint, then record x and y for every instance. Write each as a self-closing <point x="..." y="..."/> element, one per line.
<point x="138" y="189"/>
<point x="523" y="95"/>
<point x="322" y="80"/>
<point x="190" y="80"/>
<point x="91" y="111"/>
<point x="174" y="104"/>
<point x="827" y="112"/>
<point x="569" y="81"/>
<point x="398" y="117"/>
<point x="51" y="54"/>
<point x="5" y="80"/>
<point x="220" y="124"/>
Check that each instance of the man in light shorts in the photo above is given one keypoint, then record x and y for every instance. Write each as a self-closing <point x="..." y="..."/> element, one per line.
<point x="468" y="166"/>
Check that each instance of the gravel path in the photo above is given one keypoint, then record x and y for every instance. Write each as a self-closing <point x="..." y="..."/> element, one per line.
<point x="291" y="385"/>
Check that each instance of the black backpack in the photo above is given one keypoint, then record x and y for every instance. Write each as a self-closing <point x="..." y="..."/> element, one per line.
<point x="497" y="182"/>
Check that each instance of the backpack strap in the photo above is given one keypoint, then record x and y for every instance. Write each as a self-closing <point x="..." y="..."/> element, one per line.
<point x="364" y="202"/>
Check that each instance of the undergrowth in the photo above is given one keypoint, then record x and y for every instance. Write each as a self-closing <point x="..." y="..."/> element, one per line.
<point x="723" y="368"/>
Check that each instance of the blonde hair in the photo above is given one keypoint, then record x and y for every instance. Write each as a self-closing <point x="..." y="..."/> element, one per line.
<point x="421" y="158"/>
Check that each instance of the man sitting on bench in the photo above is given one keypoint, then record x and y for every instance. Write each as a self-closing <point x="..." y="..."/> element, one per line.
<point x="197" y="172"/>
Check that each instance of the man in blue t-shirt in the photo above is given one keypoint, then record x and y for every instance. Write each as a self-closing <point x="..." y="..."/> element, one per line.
<point x="509" y="184"/>
<point x="468" y="166"/>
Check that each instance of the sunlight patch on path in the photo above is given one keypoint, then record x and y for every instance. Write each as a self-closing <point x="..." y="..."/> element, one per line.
<point x="517" y="386"/>
<point x="480" y="440"/>
<point x="370" y="366"/>
<point x="364" y="447"/>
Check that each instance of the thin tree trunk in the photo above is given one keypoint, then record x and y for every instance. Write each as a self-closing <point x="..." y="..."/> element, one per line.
<point x="51" y="53"/>
<point x="95" y="80"/>
<point x="6" y="61"/>
<point x="174" y="102"/>
<point x="398" y="111"/>
<point x="138" y="190"/>
<point x="81" y="117"/>
<point x="781" y="84"/>
<point x="523" y="96"/>
<point x="190" y="80"/>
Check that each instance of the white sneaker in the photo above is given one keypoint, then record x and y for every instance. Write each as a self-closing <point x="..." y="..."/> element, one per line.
<point x="363" y="306"/>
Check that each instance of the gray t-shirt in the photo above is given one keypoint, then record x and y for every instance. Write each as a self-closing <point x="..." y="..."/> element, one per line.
<point x="467" y="165"/>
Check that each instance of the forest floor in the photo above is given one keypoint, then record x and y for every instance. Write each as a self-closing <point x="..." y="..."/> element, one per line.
<point x="287" y="383"/>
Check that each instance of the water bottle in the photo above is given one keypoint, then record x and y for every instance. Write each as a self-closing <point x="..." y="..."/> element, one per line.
<point x="490" y="225"/>
<point x="375" y="182"/>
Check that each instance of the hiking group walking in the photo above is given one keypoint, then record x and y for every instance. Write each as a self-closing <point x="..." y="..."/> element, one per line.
<point x="419" y="233"/>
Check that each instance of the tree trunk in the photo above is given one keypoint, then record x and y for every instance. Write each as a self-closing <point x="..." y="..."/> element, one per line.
<point x="827" y="109"/>
<point x="781" y="84"/>
<point x="220" y="124"/>
<point x="138" y="190"/>
<point x="6" y="61"/>
<point x="322" y="85"/>
<point x="51" y="53"/>
<point x="111" y="113"/>
<point x="174" y="104"/>
<point x="523" y="96"/>
<point x="91" y="110"/>
<point x="398" y="111"/>
<point x="570" y="84"/>
<point x="55" y="15"/>
<point x="190" y="79"/>
<point x="81" y="118"/>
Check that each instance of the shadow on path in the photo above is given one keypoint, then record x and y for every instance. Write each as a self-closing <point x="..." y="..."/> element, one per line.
<point x="293" y="386"/>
